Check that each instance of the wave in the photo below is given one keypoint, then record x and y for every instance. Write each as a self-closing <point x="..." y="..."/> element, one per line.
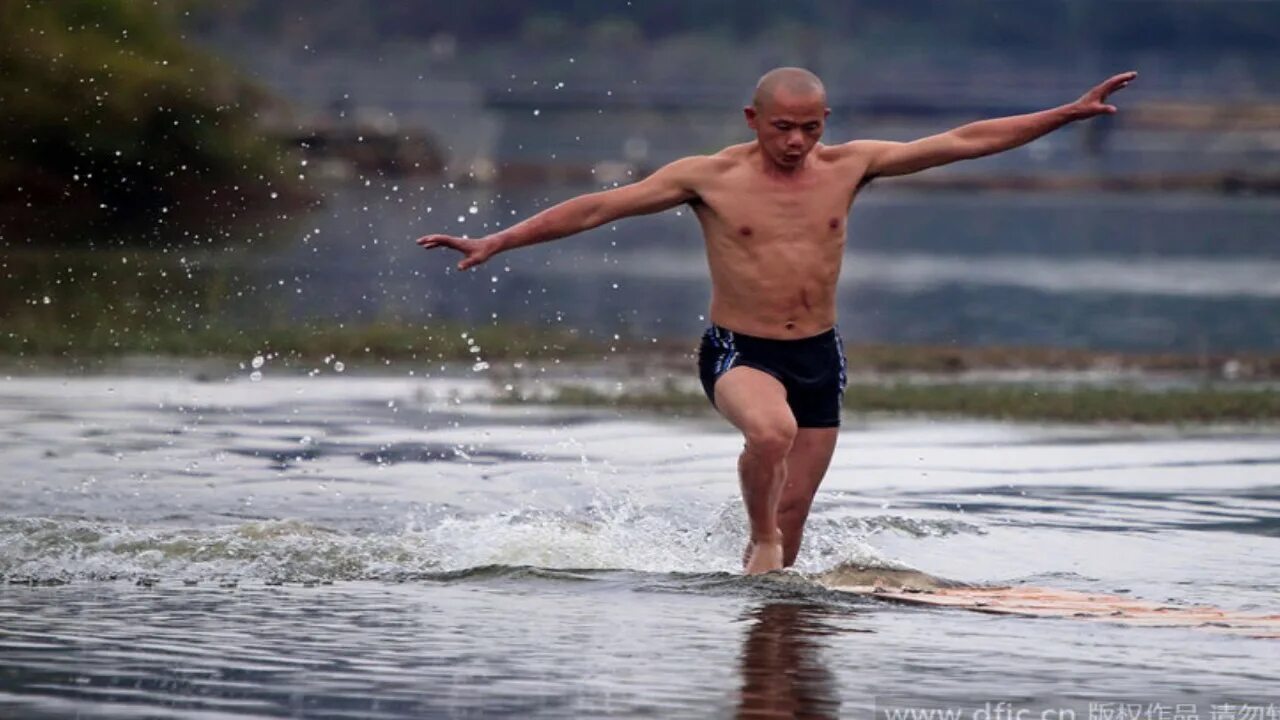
<point x="566" y="545"/>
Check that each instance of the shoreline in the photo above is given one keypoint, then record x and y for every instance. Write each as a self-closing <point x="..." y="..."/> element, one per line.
<point x="508" y="346"/>
<point x="1030" y="395"/>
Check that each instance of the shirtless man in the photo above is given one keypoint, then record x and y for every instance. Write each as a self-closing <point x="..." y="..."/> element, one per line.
<point x="773" y="213"/>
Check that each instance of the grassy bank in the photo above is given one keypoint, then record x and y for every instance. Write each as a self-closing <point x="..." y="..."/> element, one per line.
<point x="82" y="305"/>
<point x="80" y="311"/>
<point x="1081" y="404"/>
<point x="906" y="379"/>
<point x="36" y="332"/>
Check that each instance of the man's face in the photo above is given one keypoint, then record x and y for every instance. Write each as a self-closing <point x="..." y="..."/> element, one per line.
<point x="788" y="125"/>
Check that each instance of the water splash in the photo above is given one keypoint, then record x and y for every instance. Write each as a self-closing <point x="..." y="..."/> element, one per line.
<point x="610" y="534"/>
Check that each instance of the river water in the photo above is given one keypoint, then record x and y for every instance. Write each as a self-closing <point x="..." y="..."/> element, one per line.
<point x="1138" y="272"/>
<point x="1185" y="273"/>
<point x="339" y="546"/>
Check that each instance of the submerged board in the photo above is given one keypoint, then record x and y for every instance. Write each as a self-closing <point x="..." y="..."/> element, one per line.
<point x="905" y="586"/>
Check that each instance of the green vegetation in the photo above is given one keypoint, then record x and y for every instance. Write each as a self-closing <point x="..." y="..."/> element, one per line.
<point x="83" y="306"/>
<point x="92" y="304"/>
<point x="376" y="341"/>
<point x="1083" y="404"/>
<point x="113" y="122"/>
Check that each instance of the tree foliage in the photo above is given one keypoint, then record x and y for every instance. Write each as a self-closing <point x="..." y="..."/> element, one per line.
<point x="111" y="117"/>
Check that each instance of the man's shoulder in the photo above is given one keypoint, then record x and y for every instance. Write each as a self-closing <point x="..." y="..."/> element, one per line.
<point x="843" y="152"/>
<point x="725" y="158"/>
<point x="704" y="165"/>
<point x="735" y="153"/>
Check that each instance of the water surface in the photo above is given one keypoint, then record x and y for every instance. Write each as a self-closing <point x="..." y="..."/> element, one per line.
<point x="340" y="546"/>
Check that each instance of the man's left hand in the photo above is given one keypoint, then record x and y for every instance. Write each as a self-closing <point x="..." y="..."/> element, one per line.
<point x="1094" y="102"/>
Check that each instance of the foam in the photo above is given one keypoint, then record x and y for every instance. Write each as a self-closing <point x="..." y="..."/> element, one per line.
<point x="611" y="534"/>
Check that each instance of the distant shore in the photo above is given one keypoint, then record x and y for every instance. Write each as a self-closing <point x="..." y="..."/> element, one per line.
<point x="1033" y="402"/>
<point x="33" y="340"/>
<point x="523" y="365"/>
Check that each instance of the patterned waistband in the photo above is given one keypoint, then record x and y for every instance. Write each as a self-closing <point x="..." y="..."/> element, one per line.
<point x="725" y="335"/>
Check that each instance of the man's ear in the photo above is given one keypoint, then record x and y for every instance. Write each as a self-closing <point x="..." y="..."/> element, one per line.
<point x="826" y="113"/>
<point x="749" y="112"/>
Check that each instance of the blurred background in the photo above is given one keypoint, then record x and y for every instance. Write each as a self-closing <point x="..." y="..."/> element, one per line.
<point x="204" y="178"/>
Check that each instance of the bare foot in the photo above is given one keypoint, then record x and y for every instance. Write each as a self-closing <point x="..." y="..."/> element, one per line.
<point x="764" y="556"/>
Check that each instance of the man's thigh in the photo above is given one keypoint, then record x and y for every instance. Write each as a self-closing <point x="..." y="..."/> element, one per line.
<point x="754" y="401"/>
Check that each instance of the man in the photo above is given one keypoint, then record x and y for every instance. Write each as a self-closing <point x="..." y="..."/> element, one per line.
<point x="773" y="214"/>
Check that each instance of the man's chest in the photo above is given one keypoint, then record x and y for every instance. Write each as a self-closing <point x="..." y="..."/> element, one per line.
<point x="758" y="212"/>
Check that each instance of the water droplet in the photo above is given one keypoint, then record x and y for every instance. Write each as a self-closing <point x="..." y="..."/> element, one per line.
<point x="473" y="209"/>
<point x="257" y="361"/>
<point x="480" y="366"/>
<point x="47" y="300"/>
<point x="255" y="376"/>
<point x="537" y="112"/>
<point x="339" y="367"/>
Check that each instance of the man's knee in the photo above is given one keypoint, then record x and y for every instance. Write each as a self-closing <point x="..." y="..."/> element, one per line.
<point x="771" y="443"/>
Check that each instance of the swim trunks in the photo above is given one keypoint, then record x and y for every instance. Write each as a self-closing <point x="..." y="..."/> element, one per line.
<point x="813" y="370"/>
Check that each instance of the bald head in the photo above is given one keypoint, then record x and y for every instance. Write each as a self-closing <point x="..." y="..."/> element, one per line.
<point x="793" y="81"/>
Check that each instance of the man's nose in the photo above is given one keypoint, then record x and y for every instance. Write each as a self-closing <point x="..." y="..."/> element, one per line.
<point x="795" y="139"/>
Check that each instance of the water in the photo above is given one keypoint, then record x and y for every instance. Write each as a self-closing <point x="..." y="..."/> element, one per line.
<point x="390" y="547"/>
<point x="1142" y="273"/>
<point x="1137" y="272"/>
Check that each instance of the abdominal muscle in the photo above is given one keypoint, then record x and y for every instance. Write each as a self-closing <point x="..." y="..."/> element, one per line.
<point x="778" y="294"/>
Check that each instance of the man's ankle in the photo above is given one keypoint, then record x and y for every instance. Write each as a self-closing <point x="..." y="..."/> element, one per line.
<point x="773" y="538"/>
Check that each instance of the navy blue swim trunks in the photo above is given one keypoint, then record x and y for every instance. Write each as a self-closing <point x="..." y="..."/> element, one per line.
<point x="813" y="370"/>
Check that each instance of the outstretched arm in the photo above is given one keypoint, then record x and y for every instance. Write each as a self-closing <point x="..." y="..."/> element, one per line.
<point x="669" y="186"/>
<point x="984" y="137"/>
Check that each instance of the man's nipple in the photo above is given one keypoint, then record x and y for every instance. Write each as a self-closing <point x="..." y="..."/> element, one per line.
<point x="833" y="223"/>
<point x="745" y="231"/>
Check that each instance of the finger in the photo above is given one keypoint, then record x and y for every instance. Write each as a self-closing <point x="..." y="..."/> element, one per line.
<point x="1122" y="80"/>
<point x="438" y="240"/>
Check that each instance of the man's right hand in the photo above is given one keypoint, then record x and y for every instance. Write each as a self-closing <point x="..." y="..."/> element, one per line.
<point x="475" y="251"/>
